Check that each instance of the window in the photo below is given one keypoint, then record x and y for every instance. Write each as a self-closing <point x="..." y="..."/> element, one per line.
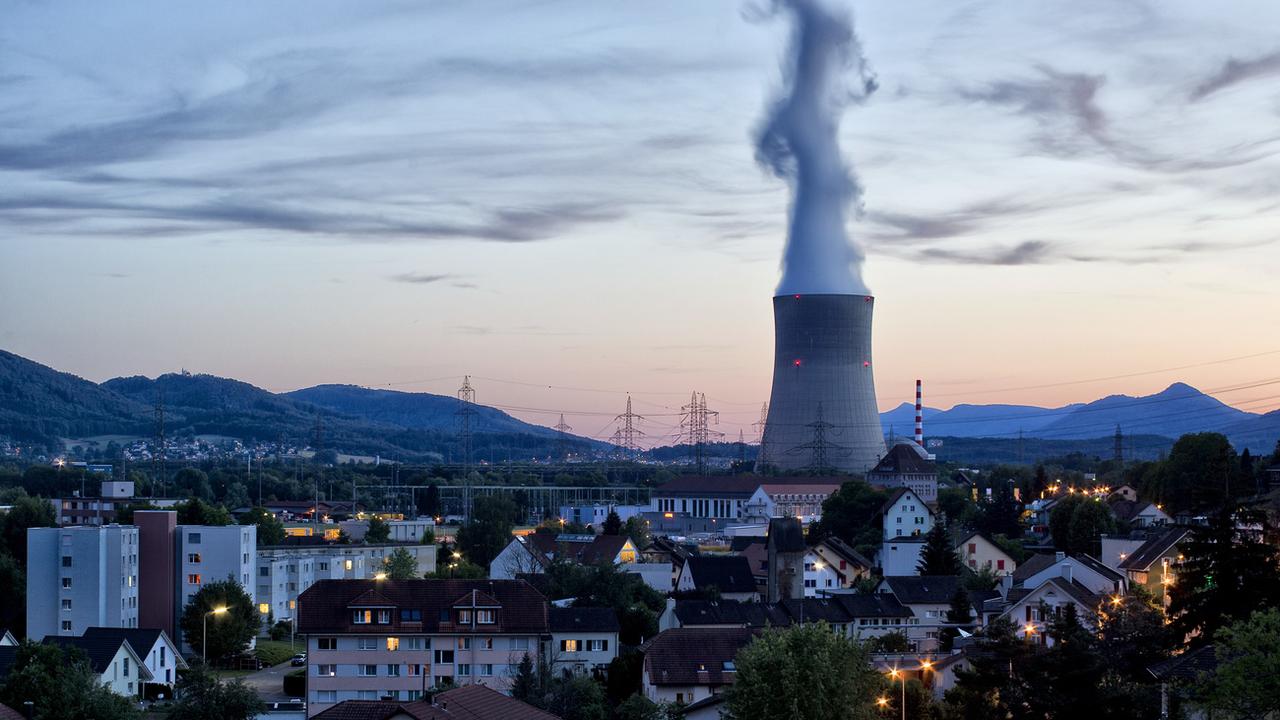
<point x="326" y="696"/>
<point x="66" y="582"/>
<point x="367" y="695"/>
<point x="322" y="566"/>
<point x="66" y="561"/>
<point x="193" y="579"/>
<point x="367" y="670"/>
<point x="464" y="617"/>
<point x="326" y="670"/>
<point x="484" y="617"/>
<point x="162" y="660"/>
<point x="597" y="645"/>
<point x="464" y="643"/>
<point x="348" y="564"/>
<point x="66" y="603"/>
<point x="415" y="695"/>
<point x="811" y="583"/>
<point x="416" y="643"/>
<point x="410" y="616"/>
<point x="569" y="645"/>
<point x="729" y="666"/>
<point x="264" y="571"/>
<point x="193" y="557"/>
<point x="66" y="625"/>
<point x="193" y="538"/>
<point x="367" y="643"/>
<point x="999" y="564"/>
<point x="393" y="643"/>
<point x="464" y="670"/>
<point x="484" y="643"/>
<point x="327" y="643"/>
<point x="393" y="671"/>
<point x="361" y="617"/>
<point x="126" y="667"/>
<point x="520" y="643"/>
<point x="413" y="670"/>
<point x="384" y="617"/>
<point x="444" y="657"/>
<point x="484" y="670"/>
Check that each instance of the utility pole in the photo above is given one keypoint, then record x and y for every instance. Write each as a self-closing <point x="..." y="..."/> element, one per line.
<point x="158" y="447"/>
<point x="465" y="412"/>
<point x="562" y="439"/>
<point x="761" y="426"/>
<point x="1119" y="448"/>
<point x="626" y="436"/>
<point x="820" y="448"/>
<point x="693" y="425"/>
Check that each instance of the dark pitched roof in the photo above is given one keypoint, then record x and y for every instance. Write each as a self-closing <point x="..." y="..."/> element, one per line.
<point x="8" y="713"/>
<point x="583" y="619"/>
<point x="758" y="557"/>
<point x="324" y="607"/>
<point x="911" y="589"/>
<point x="469" y="702"/>
<point x="902" y="459"/>
<point x="694" y="656"/>
<point x="1032" y="565"/>
<point x="732" y="613"/>
<point x="1187" y="666"/>
<point x="100" y="650"/>
<point x="1099" y="567"/>
<point x="897" y="495"/>
<point x="1152" y="550"/>
<point x="738" y="543"/>
<point x="729" y="573"/>
<point x="846" y="552"/>
<point x="601" y="548"/>
<point x="679" y="552"/>
<point x="836" y="609"/>
<point x="786" y="535"/>
<point x="140" y="639"/>
<point x="706" y="702"/>
<point x="1124" y="510"/>
<point x="1073" y="588"/>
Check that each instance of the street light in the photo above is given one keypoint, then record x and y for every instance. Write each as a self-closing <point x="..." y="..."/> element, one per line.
<point x="204" y="639"/>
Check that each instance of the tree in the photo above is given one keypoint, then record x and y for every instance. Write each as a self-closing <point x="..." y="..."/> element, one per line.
<point x="198" y="512"/>
<point x="460" y="569"/>
<point x="804" y="672"/>
<point x="428" y="537"/>
<point x="400" y="565"/>
<point x="61" y="686"/>
<point x="1246" y="683"/>
<point x="960" y="613"/>
<point x="639" y="707"/>
<point x="637" y="528"/>
<point x="1226" y="575"/>
<point x="200" y="696"/>
<point x="270" y="530"/>
<point x="228" y="632"/>
<point x="612" y="524"/>
<point x="988" y="688"/>
<point x="528" y="680"/>
<point x="237" y="496"/>
<point x="379" y="531"/>
<point x="429" y="503"/>
<point x="1200" y="474"/>
<point x="1089" y="522"/>
<point x="1001" y="515"/>
<point x="577" y="697"/>
<point x="492" y="519"/>
<point x="13" y="612"/>
<point x="27" y="512"/>
<point x="937" y="557"/>
<point x="852" y="514"/>
<point x="1132" y="634"/>
<point x="891" y="642"/>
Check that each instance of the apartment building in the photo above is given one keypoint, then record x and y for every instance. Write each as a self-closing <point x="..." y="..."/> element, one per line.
<point x="206" y="554"/>
<point x="584" y="640"/>
<point x="81" y="577"/>
<point x="372" y="639"/>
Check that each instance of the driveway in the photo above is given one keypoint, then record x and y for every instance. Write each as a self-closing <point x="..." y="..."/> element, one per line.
<point x="269" y="682"/>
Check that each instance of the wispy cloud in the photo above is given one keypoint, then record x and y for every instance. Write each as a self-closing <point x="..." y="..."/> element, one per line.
<point x="1235" y="71"/>
<point x="420" y="278"/>
<point x="1028" y="252"/>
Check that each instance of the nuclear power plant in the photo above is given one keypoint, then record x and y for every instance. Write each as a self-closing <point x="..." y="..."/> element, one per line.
<point x="822" y="409"/>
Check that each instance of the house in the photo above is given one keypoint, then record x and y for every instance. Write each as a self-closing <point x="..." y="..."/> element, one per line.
<point x="929" y="598"/>
<point x="907" y="518"/>
<point x="907" y="465"/>
<point x="1155" y="564"/>
<point x="533" y="553"/>
<point x="156" y="649"/>
<point x="979" y="552"/>
<point x="663" y="549"/>
<point x="685" y="665"/>
<point x="729" y="574"/>
<point x="1123" y="492"/>
<point x="848" y="564"/>
<point x="113" y="659"/>
<point x="1084" y="569"/>
<point x="857" y="616"/>
<point x="469" y="702"/>
<point x="1033" y="608"/>
<point x="1183" y="673"/>
<point x="802" y="501"/>
<point x="584" y="640"/>
<point x="375" y="639"/>
<point x="1139" y="514"/>
<point x="698" y="503"/>
<point x="1116" y="548"/>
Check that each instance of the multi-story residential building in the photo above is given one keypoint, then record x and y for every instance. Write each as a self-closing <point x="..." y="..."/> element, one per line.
<point x="907" y="519"/>
<point x="686" y="665"/>
<point x="929" y="598"/>
<point x="848" y="564"/>
<point x="907" y="465"/>
<point x="1155" y="564"/>
<point x="370" y="639"/>
<point x="533" y="553"/>
<point x="81" y="577"/>
<point x="584" y="640"/>
<point x="206" y="554"/>
<point x="285" y="571"/>
<point x="695" y="503"/>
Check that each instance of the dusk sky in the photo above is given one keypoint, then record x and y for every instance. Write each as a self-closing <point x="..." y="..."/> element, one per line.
<point x="566" y="194"/>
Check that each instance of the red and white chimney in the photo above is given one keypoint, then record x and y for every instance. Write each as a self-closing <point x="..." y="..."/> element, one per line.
<point x="919" y="414"/>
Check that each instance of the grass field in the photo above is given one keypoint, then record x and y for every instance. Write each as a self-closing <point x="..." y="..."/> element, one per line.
<point x="274" y="652"/>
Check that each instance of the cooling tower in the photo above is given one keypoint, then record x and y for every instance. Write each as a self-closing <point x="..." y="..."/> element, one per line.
<point x="822" y="411"/>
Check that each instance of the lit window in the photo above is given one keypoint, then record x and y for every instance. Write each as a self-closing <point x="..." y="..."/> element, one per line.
<point x="464" y="617"/>
<point x="193" y="557"/>
<point x="264" y="608"/>
<point x="348" y="564"/>
<point x="361" y="617"/>
<point x="569" y="646"/>
<point x="193" y="579"/>
<point x="393" y="643"/>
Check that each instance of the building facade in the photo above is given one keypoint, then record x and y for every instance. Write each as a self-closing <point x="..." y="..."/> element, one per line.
<point x="206" y="554"/>
<point x="81" y="577"/>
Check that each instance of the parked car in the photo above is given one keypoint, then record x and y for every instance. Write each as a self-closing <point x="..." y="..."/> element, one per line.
<point x="298" y="660"/>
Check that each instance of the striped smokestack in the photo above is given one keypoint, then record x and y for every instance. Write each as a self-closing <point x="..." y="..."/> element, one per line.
<point x="919" y="414"/>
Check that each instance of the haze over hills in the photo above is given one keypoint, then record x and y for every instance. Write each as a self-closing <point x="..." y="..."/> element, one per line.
<point x="38" y="403"/>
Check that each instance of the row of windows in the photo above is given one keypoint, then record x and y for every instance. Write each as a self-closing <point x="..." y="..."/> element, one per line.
<point x="581" y="645"/>
<point x="409" y="670"/>
<point x="331" y="696"/>
<point x="383" y="617"/>
<point x="421" y="643"/>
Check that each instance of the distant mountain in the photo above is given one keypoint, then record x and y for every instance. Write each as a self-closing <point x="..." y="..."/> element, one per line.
<point x="43" y="405"/>
<point x="411" y="410"/>
<point x="974" y="420"/>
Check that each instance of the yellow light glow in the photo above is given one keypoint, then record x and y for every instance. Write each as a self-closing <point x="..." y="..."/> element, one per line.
<point x="882" y="701"/>
<point x="380" y="576"/>
<point x="264" y="608"/>
<point x="219" y="610"/>
<point x="1029" y="629"/>
<point x="927" y="664"/>
<point x="893" y="673"/>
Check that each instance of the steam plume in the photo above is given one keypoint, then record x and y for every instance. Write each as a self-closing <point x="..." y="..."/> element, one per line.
<point x="799" y="141"/>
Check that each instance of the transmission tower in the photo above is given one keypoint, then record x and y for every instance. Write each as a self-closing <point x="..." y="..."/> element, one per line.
<point x="762" y="455"/>
<point x="158" y="451"/>
<point x="1119" y="449"/>
<point x="820" y="448"/>
<point x="694" y="430"/>
<point x="562" y="438"/>
<point x="465" y="413"/>
<point x="742" y="449"/>
<point x="626" y="437"/>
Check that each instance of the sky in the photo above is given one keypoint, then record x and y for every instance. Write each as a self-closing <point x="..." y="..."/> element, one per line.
<point x="1061" y="200"/>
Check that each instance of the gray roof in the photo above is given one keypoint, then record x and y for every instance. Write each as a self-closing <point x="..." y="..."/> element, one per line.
<point x="786" y="535"/>
<point x="910" y="589"/>
<point x="729" y="573"/>
<point x="904" y="459"/>
<point x="582" y="619"/>
<point x="100" y="651"/>
<point x="837" y="609"/>
<point x="1155" y="548"/>
<point x="1187" y="666"/>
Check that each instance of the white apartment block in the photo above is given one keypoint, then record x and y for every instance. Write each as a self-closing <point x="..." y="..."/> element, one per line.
<point x="207" y="554"/>
<point x="81" y="577"/>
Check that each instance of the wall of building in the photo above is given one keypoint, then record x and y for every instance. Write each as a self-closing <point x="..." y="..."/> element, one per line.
<point x="81" y="577"/>
<point x="207" y="554"/>
<point x="157" y="586"/>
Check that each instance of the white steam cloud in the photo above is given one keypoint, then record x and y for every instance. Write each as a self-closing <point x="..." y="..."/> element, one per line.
<point x="799" y="141"/>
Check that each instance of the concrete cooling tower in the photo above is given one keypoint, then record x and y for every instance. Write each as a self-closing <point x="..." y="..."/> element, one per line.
<point x="822" y="410"/>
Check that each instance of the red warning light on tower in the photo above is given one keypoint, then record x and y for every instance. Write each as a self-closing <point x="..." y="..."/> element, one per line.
<point x="796" y="362"/>
<point x="866" y="363"/>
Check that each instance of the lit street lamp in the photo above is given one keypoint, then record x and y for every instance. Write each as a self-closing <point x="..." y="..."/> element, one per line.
<point x="204" y="639"/>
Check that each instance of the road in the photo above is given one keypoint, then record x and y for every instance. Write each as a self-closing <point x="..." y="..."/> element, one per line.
<point x="269" y="682"/>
